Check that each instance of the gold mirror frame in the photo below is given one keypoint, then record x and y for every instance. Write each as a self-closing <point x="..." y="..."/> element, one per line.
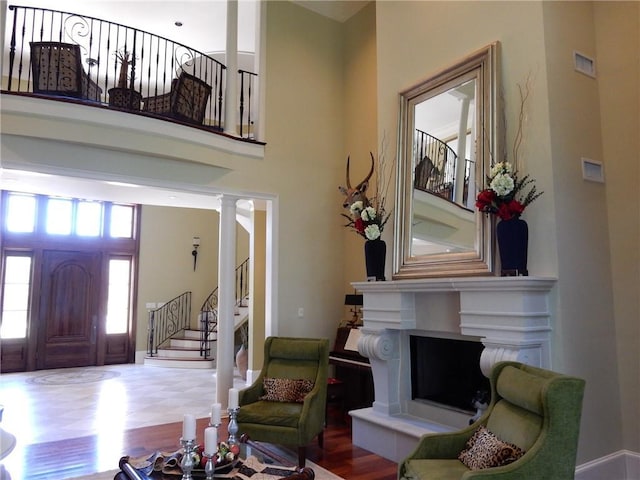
<point x="481" y="66"/>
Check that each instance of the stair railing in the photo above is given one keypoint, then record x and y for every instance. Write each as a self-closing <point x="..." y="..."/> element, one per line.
<point x="164" y="322"/>
<point x="209" y="310"/>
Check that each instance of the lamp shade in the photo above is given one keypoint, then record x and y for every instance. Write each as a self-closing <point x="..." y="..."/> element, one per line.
<point x="353" y="299"/>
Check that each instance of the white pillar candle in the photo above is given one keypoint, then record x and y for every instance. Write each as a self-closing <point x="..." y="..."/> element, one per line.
<point x="210" y="441"/>
<point x="189" y="427"/>
<point x="215" y="414"/>
<point x="233" y="398"/>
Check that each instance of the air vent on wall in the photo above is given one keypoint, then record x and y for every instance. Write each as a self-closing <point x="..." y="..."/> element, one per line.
<point x="584" y="64"/>
<point x="592" y="170"/>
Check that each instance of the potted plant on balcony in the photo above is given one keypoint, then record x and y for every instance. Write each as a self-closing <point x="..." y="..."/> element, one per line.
<point x="122" y="96"/>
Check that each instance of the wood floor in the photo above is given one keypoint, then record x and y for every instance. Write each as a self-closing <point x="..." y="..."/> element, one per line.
<point x="78" y="456"/>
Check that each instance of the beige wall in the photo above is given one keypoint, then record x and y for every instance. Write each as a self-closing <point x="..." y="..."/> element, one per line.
<point x="617" y="44"/>
<point x="360" y="114"/>
<point x="570" y="237"/>
<point x="303" y="164"/>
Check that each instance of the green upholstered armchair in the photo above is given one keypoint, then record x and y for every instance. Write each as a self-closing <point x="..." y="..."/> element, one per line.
<point x="293" y="423"/>
<point x="534" y="409"/>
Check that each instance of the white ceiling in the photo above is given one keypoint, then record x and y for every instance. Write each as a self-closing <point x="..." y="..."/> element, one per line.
<point x="203" y="28"/>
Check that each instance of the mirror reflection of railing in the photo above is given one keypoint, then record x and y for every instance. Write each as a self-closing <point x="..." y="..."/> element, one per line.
<point x="74" y="57"/>
<point x="436" y="167"/>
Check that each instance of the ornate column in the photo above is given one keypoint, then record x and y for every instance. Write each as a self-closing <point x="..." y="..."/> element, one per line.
<point x="226" y="299"/>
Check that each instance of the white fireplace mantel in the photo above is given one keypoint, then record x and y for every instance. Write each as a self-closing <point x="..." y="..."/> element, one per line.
<point x="509" y="315"/>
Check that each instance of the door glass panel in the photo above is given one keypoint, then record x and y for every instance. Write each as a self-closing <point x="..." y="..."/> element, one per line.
<point x="118" y="301"/>
<point x="121" y="221"/>
<point x="59" y="216"/>
<point x="89" y="219"/>
<point x="15" y="304"/>
<point x="21" y="213"/>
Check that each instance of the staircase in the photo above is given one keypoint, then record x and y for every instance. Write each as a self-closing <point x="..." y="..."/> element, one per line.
<point x="182" y="350"/>
<point x="187" y="348"/>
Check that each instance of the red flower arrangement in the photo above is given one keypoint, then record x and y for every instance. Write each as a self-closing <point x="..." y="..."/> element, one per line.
<point x="504" y="197"/>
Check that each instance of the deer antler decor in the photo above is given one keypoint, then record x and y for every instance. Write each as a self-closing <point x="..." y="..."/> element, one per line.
<point x="366" y="216"/>
<point x="359" y="192"/>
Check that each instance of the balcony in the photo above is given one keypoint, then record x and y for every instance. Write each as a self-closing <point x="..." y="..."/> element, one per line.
<point x="84" y="60"/>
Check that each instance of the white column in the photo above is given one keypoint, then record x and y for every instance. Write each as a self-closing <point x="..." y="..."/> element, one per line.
<point x="226" y="299"/>
<point x="231" y="94"/>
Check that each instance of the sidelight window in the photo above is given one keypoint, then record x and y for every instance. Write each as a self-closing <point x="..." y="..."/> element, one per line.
<point x="15" y="296"/>
<point x="118" y="304"/>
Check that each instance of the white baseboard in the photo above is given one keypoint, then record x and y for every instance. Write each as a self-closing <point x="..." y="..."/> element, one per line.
<point x="622" y="465"/>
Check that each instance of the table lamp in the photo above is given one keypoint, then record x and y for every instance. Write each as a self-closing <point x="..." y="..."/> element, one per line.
<point x="354" y="301"/>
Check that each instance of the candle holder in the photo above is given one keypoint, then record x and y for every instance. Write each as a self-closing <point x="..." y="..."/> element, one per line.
<point x="233" y="425"/>
<point x="210" y="466"/>
<point x="186" y="464"/>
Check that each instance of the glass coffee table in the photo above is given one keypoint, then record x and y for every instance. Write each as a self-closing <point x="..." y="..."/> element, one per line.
<point x="254" y="457"/>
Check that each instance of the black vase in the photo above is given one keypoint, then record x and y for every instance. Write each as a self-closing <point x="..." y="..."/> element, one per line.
<point x="513" y="243"/>
<point x="375" y="252"/>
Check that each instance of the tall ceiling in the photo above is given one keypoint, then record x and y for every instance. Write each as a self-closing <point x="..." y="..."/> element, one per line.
<point x="203" y="21"/>
<point x="203" y="28"/>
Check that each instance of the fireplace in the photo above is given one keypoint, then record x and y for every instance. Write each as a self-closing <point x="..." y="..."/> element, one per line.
<point x="446" y="372"/>
<point x="498" y="318"/>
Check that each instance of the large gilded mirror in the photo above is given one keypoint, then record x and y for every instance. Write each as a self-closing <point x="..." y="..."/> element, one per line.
<point x="448" y="131"/>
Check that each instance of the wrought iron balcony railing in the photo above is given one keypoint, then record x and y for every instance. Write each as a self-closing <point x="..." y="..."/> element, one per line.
<point x="74" y="57"/>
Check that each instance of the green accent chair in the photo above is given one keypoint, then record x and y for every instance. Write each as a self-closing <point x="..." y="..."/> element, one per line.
<point x="288" y="423"/>
<point x="534" y="409"/>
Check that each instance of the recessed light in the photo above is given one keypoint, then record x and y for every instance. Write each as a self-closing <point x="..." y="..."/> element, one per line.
<point x="122" y="184"/>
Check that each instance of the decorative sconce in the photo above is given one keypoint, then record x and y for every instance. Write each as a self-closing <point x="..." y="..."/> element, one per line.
<point x="194" y="252"/>
<point x="354" y="301"/>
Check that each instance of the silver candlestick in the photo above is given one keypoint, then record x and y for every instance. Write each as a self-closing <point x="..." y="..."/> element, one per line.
<point x="187" y="458"/>
<point x="233" y="425"/>
<point x="209" y="467"/>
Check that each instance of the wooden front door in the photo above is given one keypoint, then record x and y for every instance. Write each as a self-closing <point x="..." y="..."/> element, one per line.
<point x="69" y="307"/>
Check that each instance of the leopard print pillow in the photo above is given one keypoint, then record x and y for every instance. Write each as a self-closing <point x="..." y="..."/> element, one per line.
<point x="485" y="450"/>
<point x="286" y="389"/>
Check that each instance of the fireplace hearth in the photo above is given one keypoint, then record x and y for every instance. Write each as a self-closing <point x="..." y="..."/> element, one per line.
<point x="447" y="372"/>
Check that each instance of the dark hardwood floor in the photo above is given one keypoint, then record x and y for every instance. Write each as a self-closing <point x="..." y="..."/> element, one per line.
<point x="79" y="456"/>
